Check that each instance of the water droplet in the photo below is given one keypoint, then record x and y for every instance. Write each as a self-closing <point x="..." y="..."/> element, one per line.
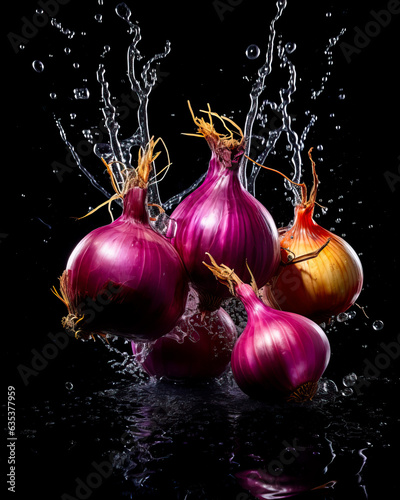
<point x="67" y="50"/>
<point x="106" y="49"/>
<point x="81" y="93"/>
<point x="327" y="387"/>
<point x="123" y="11"/>
<point x="349" y="380"/>
<point x="76" y="65"/>
<point x="290" y="47"/>
<point x="377" y="325"/>
<point x="342" y="96"/>
<point x="348" y="391"/>
<point x="53" y="95"/>
<point x="38" y="66"/>
<point x="328" y="14"/>
<point x="342" y="317"/>
<point x="252" y="51"/>
<point x="87" y="133"/>
<point x="69" y="386"/>
<point x="320" y="147"/>
<point x="99" y="18"/>
<point x="351" y="314"/>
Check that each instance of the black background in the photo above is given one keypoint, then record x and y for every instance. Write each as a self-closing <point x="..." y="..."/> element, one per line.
<point x="207" y="64"/>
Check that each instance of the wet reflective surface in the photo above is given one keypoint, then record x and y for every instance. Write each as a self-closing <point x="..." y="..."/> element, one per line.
<point x="136" y="438"/>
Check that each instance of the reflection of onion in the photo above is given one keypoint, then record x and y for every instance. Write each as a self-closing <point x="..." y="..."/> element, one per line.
<point x="295" y="470"/>
<point x="265" y="486"/>
<point x="199" y="347"/>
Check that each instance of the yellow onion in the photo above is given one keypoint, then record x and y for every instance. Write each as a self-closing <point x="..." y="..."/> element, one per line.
<point x="320" y="274"/>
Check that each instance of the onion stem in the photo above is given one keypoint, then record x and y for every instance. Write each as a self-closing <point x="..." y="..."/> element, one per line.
<point x="306" y="256"/>
<point x="313" y="194"/>
<point x="207" y="129"/>
<point x="302" y="185"/>
<point x="224" y="274"/>
<point x="138" y="176"/>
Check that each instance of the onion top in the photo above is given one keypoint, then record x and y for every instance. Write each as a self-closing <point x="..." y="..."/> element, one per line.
<point x="221" y="217"/>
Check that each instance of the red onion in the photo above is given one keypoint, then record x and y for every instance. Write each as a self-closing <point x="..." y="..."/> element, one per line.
<point x="124" y="278"/>
<point x="279" y="354"/>
<point x="198" y="348"/>
<point x="223" y="218"/>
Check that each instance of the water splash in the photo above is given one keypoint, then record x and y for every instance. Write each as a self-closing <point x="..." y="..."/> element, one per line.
<point x="120" y="150"/>
<point x="258" y="112"/>
<point x="258" y="86"/>
<point x="329" y="53"/>
<point x="78" y="161"/>
<point x="296" y="143"/>
<point x="117" y="148"/>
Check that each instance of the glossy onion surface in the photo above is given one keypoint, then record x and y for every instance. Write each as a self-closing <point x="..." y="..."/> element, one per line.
<point x="320" y="287"/>
<point x="224" y="219"/>
<point x="279" y="354"/>
<point x="198" y="348"/>
<point x="125" y="279"/>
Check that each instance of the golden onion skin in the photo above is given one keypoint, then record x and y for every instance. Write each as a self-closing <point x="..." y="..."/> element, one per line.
<point x="319" y="287"/>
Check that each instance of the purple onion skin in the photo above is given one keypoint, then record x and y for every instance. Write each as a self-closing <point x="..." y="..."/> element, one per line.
<point x="221" y="217"/>
<point x="263" y="485"/>
<point x="203" y="354"/>
<point x="278" y="352"/>
<point x="126" y="279"/>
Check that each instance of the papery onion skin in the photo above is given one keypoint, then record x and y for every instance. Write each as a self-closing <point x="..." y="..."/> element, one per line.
<point x="137" y="268"/>
<point x="199" y="348"/>
<point x="279" y="354"/>
<point x="321" y="287"/>
<point x="320" y="275"/>
<point x="221" y="217"/>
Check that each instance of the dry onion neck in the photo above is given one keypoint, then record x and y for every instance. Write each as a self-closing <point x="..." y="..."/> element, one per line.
<point x="132" y="177"/>
<point x="138" y="176"/>
<point x="226" y="146"/>
<point x="227" y="276"/>
<point x="306" y="203"/>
